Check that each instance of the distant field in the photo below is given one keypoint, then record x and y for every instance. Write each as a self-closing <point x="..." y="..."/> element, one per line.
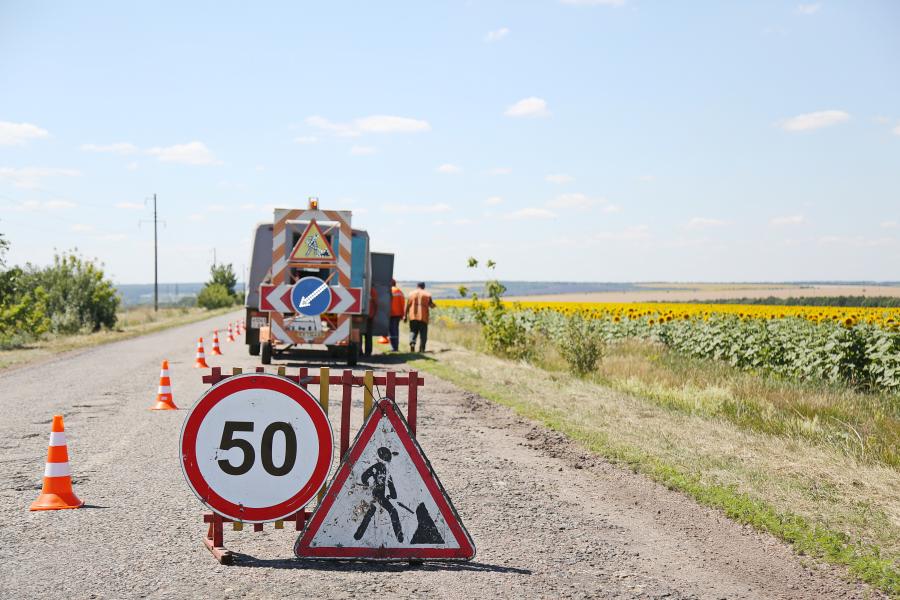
<point x="681" y="292"/>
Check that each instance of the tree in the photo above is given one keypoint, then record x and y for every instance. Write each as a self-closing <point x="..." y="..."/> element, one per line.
<point x="223" y="275"/>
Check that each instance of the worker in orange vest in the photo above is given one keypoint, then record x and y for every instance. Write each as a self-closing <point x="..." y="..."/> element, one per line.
<point x="398" y="309"/>
<point x="418" y="306"/>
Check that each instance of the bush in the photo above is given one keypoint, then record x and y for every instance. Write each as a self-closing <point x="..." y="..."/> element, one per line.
<point x="78" y="297"/>
<point x="581" y="344"/>
<point x="214" y="295"/>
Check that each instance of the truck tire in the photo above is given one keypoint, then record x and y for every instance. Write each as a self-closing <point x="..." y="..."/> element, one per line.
<point x="254" y="349"/>
<point x="352" y="354"/>
<point x="266" y="357"/>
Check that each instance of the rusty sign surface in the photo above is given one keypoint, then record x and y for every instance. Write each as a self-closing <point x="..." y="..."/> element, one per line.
<point x="385" y="502"/>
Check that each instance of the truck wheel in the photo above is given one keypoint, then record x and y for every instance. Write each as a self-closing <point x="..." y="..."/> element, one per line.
<point x="266" y="357"/>
<point x="254" y="349"/>
<point x="352" y="354"/>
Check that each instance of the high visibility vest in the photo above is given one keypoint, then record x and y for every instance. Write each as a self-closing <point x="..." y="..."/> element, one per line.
<point x="398" y="304"/>
<point x="418" y="305"/>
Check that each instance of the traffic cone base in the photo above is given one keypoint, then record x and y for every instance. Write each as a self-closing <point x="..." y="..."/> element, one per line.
<point x="56" y="493"/>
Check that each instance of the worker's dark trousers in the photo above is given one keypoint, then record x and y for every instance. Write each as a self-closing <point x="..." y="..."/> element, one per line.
<point x="367" y="347"/>
<point x="394" y="331"/>
<point x="418" y="329"/>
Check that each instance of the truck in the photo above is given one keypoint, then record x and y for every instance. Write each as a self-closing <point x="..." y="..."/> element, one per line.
<point x="310" y="285"/>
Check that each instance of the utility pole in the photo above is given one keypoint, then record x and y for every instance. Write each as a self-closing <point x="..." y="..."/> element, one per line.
<point x="155" y="262"/>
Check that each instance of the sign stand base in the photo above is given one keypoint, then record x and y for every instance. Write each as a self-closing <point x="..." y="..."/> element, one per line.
<point x="215" y="535"/>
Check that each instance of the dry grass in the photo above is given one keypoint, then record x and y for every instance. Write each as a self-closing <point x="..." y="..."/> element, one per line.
<point x="845" y="506"/>
<point x="131" y="323"/>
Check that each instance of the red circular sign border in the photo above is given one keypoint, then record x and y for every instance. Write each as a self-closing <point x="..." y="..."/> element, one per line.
<point x="213" y="396"/>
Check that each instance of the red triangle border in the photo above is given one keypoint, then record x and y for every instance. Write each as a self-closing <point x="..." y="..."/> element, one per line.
<point x="386" y="408"/>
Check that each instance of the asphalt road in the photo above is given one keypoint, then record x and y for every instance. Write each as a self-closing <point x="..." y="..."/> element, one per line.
<point x="548" y="520"/>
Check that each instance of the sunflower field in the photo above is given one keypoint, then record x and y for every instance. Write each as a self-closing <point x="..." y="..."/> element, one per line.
<point x="856" y="346"/>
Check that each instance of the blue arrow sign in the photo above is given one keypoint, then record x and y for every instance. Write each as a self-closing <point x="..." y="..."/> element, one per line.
<point x="311" y="296"/>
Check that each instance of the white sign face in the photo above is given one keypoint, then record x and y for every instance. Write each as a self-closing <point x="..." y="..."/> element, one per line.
<point x="307" y="325"/>
<point x="256" y="448"/>
<point x="385" y="502"/>
<point x="257" y="322"/>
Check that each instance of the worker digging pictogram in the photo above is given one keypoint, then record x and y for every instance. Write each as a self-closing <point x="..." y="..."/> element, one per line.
<point x="367" y="512"/>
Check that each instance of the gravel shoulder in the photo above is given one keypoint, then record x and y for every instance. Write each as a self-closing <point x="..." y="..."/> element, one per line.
<point x="549" y="520"/>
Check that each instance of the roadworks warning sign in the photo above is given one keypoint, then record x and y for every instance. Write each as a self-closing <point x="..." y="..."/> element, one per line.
<point x="385" y="502"/>
<point x="312" y="247"/>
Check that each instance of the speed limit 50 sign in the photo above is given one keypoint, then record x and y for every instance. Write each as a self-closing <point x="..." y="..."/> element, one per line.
<point x="256" y="447"/>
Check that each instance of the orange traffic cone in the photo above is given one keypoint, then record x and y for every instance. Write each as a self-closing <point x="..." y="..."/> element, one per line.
<point x="216" y="350"/>
<point x="383" y="340"/>
<point x="164" y="399"/>
<point x="200" y="360"/>
<point x="230" y="333"/>
<point x="57" y="491"/>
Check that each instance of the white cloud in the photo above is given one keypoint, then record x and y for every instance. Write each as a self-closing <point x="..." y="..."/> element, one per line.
<point x="117" y="148"/>
<point x="579" y="201"/>
<point x="530" y="213"/>
<point x="528" y="107"/>
<point x="30" y="177"/>
<point x="593" y="2"/>
<point x="132" y="166"/>
<point x="636" y="232"/>
<point x="494" y="201"/>
<point x="787" y="220"/>
<point x="705" y="222"/>
<point x="500" y="171"/>
<point x="13" y="134"/>
<point x="391" y="124"/>
<point x="37" y="205"/>
<point x="371" y="124"/>
<point x="496" y="35"/>
<point x="191" y="153"/>
<point x="362" y="150"/>
<point x="449" y="169"/>
<point x="896" y="130"/>
<point x="889" y="224"/>
<point x="306" y="139"/>
<point x="807" y="9"/>
<point x="129" y="205"/>
<point x="560" y="178"/>
<point x="814" y="120"/>
<point x="416" y="208"/>
<point x="82" y="228"/>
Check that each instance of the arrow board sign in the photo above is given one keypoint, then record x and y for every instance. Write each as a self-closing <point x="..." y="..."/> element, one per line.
<point x="385" y="502"/>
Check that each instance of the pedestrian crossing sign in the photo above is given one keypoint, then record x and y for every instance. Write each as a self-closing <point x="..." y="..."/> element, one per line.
<point x="312" y="247"/>
<point x="385" y="502"/>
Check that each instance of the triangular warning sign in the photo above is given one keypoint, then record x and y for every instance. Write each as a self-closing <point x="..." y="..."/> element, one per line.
<point x="312" y="247"/>
<point x="385" y="502"/>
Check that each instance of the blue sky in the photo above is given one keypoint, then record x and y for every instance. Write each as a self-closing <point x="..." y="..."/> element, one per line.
<point x="567" y="140"/>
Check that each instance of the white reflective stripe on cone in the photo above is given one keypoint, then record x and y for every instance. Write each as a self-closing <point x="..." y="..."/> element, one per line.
<point x="164" y="389"/>
<point x="164" y="373"/>
<point x="57" y="438"/>
<point x="57" y="470"/>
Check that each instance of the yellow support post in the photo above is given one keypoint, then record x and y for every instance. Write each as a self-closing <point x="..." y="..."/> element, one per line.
<point x="235" y="370"/>
<point x="324" y="374"/>
<point x="279" y="524"/>
<point x="237" y="526"/>
<point x="368" y="383"/>
<point x="281" y="371"/>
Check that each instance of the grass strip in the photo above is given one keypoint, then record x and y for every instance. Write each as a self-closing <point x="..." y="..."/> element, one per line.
<point x="807" y="538"/>
<point x="131" y="325"/>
